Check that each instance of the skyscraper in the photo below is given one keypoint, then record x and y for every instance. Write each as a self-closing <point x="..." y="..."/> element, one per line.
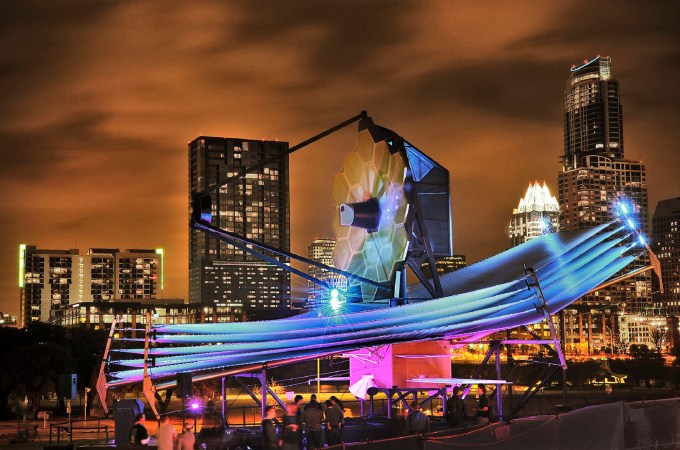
<point x="595" y="176"/>
<point x="536" y="214"/>
<point x="321" y="250"/>
<point x="666" y="245"/>
<point x="50" y="280"/>
<point x="255" y="206"/>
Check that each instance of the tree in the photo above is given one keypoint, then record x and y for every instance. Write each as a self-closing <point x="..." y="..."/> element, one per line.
<point x="32" y="358"/>
<point x="659" y="337"/>
<point x="36" y="369"/>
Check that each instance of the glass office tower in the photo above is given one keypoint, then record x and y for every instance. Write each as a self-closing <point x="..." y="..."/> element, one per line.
<point x="255" y="206"/>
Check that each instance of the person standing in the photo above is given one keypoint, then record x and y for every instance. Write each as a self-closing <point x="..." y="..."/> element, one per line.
<point x="138" y="433"/>
<point x="455" y="409"/>
<point x="298" y="403"/>
<point x="334" y="419"/>
<point x="483" y="406"/>
<point x="291" y="428"/>
<point x="167" y="435"/>
<point x="270" y="441"/>
<point x="312" y="418"/>
<point x="186" y="440"/>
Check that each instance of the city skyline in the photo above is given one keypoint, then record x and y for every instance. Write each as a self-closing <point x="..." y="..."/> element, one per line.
<point x="99" y="107"/>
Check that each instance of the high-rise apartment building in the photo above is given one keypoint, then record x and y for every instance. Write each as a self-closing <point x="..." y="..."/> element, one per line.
<point x="255" y="206"/>
<point x="665" y="243"/>
<point x="50" y="280"/>
<point x="594" y="176"/>
<point x="321" y="250"/>
<point x="536" y="214"/>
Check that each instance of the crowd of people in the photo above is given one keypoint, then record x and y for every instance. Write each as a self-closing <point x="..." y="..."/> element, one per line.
<point x="457" y="415"/>
<point x="303" y="424"/>
<point x="166" y="437"/>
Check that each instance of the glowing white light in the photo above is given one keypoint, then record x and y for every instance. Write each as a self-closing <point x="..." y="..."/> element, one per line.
<point x="642" y="240"/>
<point x="631" y="224"/>
<point x="335" y="300"/>
<point x="537" y="198"/>
<point x="624" y="208"/>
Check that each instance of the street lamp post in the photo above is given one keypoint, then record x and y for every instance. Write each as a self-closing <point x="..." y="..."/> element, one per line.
<point x="87" y="389"/>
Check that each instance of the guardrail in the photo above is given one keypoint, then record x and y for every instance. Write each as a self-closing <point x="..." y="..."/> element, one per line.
<point x="67" y="428"/>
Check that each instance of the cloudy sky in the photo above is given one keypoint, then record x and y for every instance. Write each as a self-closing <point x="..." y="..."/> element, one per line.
<point x="99" y="100"/>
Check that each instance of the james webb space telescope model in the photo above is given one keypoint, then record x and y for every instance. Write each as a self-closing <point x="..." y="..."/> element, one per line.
<point x="393" y="209"/>
<point x="393" y="213"/>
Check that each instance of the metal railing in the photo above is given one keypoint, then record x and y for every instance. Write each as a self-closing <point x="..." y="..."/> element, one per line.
<point x="68" y="428"/>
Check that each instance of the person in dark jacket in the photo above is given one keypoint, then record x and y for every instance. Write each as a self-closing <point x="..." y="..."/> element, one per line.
<point x="483" y="407"/>
<point x="312" y="418"/>
<point x="138" y="433"/>
<point x="334" y="419"/>
<point x="270" y="441"/>
<point x="455" y="409"/>
<point x="300" y="407"/>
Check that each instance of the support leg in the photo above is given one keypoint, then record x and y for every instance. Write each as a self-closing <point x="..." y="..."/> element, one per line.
<point x="224" y="400"/>
<point x="263" y="382"/>
<point x="499" y="394"/>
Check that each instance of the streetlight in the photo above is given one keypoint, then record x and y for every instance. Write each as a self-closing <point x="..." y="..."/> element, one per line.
<point x="87" y="389"/>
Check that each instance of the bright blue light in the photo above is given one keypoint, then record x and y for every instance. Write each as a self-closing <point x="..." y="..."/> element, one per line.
<point x="630" y="224"/>
<point x="546" y="225"/>
<point x="623" y="207"/>
<point x="335" y="299"/>
<point x="642" y="240"/>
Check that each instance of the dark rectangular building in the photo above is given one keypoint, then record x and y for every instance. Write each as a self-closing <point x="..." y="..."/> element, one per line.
<point x="666" y="245"/>
<point x="255" y="206"/>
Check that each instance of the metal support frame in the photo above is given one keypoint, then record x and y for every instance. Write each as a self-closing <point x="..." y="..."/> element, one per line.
<point x="420" y="251"/>
<point x="495" y="348"/>
<point x="102" y="386"/>
<point x="224" y="400"/>
<point x="249" y="246"/>
<point x="149" y="389"/>
<point x="419" y="248"/>
<point x="553" y="346"/>
<point x="401" y="395"/>
<point x="265" y="389"/>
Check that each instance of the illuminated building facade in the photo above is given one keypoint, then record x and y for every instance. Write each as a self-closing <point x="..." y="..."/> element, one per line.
<point x="536" y="214"/>
<point x="50" y="280"/>
<point x="446" y="264"/>
<point x="666" y="244"/>
<point x="595" y="177"/>
<point x="255" y="206"/>
<point x="132" y="314"/>
<point x="321" y="250"/>
<point x="8" y="321"/>
<point x="655" y="332"/>
<point x="590" y="329"/>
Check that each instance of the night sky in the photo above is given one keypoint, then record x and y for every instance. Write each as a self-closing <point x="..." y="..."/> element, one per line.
<point x="99" y="100"/>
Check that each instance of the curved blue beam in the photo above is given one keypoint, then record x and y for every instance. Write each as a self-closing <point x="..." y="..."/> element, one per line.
<point x="491" y="295"/>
